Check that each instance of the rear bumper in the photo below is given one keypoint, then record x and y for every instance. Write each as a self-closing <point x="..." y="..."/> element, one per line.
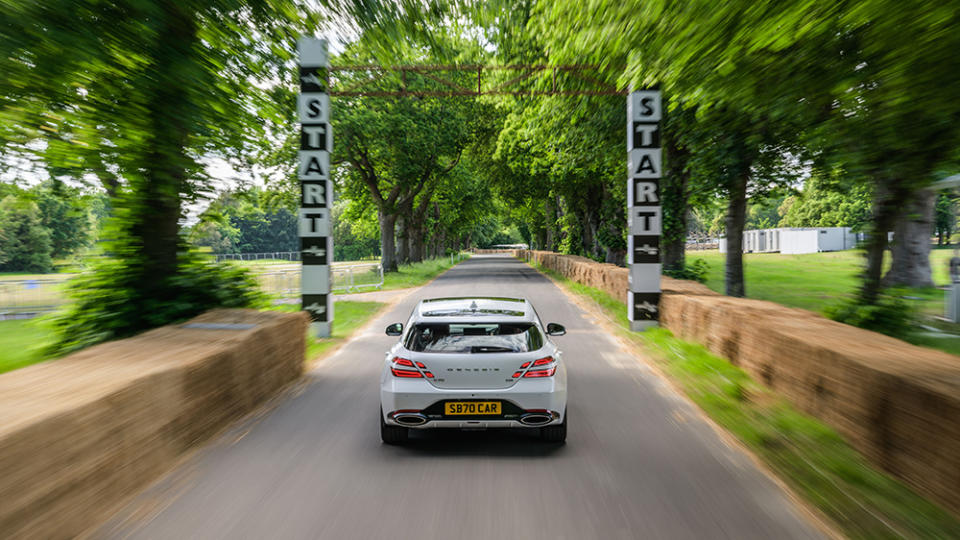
<point x="413" y="396"/>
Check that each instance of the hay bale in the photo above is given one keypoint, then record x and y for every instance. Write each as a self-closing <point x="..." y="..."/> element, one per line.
<point x="80" y="434"/>
<point x="898" y="404"/>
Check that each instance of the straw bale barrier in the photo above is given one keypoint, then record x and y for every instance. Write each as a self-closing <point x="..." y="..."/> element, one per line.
<point x="81" y="434"/>
<point x="898" y="404"/>
<point x="490" y="251"/>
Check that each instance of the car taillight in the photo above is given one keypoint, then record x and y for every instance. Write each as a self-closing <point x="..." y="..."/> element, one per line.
<point x="540" y="372"/>
<point x="543" y="361"/>
<point x="413" y="373"/>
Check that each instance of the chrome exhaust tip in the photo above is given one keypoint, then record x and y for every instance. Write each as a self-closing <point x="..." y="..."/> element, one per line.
<point x="535" y="419"/>
<point x="410" y="419"/>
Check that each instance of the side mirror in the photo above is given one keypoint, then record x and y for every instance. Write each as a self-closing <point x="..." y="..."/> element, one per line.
<point x="554" y="329"/>
<point x="395" y="329"/>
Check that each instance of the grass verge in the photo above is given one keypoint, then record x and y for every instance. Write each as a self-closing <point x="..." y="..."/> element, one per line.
<point x="818" y="281"/>
<point x="21" y="342"/>
<point x="416" y="274"/>
<point x="348" y="316"/>
<point x="809" y="456"/>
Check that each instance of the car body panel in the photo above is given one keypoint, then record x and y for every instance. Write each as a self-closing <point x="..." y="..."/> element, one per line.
<point x="474" y="376"/>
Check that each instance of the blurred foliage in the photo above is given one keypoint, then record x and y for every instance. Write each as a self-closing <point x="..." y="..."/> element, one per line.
<point x="695" y="270"/>
<point x="45" y="222"/>
<point x="826" y="203"/>
<point x="890" y="315"/>
<point x="246" y="220"/>
<point x="134" y="93"/>
<point x="108" y="303"/>
<point x="869" y="88"/>
<point x="356" y="234"/>
<point x="24" y="242"/>
<point x="945" y="218"/>
<point x="858" y="101"/>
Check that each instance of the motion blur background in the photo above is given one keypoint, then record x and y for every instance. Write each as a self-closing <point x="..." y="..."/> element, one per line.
<point x="148" y="150"/>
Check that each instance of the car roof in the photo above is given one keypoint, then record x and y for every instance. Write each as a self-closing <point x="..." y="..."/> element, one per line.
<point x="475" y="308"/>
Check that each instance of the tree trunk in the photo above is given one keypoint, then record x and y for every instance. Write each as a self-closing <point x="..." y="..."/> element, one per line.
<point x="885" y="210"/>
<point x="588" y="234"/>
<point x="911" y="242"/>
<point x="616" y="256"/>
<point x="417" y="243"/>
<point x="388" y="252"/>
<point x="674" y="253"/>
<point x="674" y="198"/>
<point x="415" y="240"/>
<point x="403" y="256"/>
<point x="154" y="211"/>
<point x="736" y="217"/>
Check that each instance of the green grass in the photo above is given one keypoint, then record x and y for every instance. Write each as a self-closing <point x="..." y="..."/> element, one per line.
<point x="20" y="343"/>
<point x="416" y="274"/>
<point x="348" y="315"/>
<point x="818" y="281"/>
<point x="21" y="340"/>
<point x="811" y="457"/>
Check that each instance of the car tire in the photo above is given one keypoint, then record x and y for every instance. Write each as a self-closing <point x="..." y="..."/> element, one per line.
<point x="555" y="434"/>
<point x="392" y="434"/>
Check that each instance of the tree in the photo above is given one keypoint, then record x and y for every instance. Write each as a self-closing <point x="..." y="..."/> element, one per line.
<point x="945" y="218"/>
<point x="835" y="201"/>
<point x="844" y="69"/>
<point x="392" y="149"/>
<point x="24" y="242"/>
<point x="63" y="212"/>
<point x="146" y="88"/>
<point x="747" y="115"/>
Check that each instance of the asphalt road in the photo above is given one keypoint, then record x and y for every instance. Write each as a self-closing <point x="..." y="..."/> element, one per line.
<point x="639" y="461"/>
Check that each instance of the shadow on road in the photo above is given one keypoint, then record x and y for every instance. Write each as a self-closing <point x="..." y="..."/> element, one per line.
<point x="490" y="443"/>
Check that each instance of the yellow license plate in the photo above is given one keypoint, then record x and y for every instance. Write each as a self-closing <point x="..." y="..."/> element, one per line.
<point x="472" y="407"/>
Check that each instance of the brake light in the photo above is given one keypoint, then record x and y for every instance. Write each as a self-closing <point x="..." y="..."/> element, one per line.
<point x="545" y="361"/>
<point x="406" y="373"/>
<point x="409" y="373"/>
<point x="540" y="372"/>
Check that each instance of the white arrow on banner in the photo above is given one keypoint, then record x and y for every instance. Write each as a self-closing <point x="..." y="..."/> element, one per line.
<point x="316" y="308"/>
<point x="647" y="306"/>
<point x="312" y="78"/>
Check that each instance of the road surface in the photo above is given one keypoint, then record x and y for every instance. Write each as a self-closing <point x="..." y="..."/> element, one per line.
<point x="639" y="460"/>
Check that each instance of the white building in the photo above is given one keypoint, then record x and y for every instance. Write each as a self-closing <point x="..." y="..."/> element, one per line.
<point x="796" y="240"/>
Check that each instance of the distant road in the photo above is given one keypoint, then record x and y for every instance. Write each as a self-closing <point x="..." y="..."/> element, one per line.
<point x="639" y="461"/>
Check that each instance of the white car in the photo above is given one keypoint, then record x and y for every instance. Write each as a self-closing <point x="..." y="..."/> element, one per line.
<point x="473" y="363"/>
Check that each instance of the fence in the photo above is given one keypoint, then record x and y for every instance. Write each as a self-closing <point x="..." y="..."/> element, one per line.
<point x="26" y="297"/>
<point x="346" y="278"/>
<point x="276" y="255"/>
<point x="22" y="298"/>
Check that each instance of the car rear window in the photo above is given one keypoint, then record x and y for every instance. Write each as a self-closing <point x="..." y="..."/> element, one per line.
<point x="473" y="338"/>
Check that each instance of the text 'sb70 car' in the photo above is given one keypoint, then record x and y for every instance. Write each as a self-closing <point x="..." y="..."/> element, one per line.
<point x="473" y="363"/>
